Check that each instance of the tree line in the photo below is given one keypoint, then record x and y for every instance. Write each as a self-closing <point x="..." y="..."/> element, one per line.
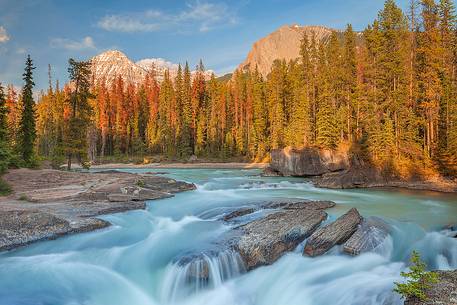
<point x="388" y="93"/>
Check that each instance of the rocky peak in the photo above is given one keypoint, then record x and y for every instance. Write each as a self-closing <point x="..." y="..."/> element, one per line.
<point x="111" y="64"/>
<point x="283" y="43"/>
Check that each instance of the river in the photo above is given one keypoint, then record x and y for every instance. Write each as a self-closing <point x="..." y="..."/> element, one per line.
<point x="133" y="261"/>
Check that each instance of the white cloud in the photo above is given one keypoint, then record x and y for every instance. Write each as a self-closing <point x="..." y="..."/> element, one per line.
<point x="3" y="35"/>
<point x="21" y="51"/>
<point x="203" y="16"/>
<point x="87" y="43"/>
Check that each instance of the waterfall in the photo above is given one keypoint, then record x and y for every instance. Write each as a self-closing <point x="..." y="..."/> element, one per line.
<point x="191" y="274"/>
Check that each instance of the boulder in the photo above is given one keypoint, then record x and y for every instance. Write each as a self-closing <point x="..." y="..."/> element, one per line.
<point x="442" y="293"/>
<point x="333" y="234"/>
<point x="238" y="213"/>
<point x="269" y="172"/>
<point x="120" y="197"/>
<point x="307" y="161"/>
<point x="265" y="240"/>
<point x="304" y="204"/>
<point x="371" y="233"/>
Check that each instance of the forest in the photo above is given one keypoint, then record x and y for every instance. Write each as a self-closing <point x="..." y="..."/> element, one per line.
<point x="388" y="94"/>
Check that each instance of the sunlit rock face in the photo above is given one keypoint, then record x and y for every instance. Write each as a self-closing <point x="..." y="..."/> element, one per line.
<point x="284" y="43"/>
<point x="307" y="161"/>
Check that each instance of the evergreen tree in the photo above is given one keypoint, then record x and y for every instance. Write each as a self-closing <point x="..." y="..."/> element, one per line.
<point x="80" y="111"/>
<point x="27" y="128"/>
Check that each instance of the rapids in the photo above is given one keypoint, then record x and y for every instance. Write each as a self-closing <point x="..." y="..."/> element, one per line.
<point x="136" y="261"/>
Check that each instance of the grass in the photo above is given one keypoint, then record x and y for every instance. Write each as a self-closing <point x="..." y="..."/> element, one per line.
<point x="23" y="198"/>
<point x="5" y="189"/>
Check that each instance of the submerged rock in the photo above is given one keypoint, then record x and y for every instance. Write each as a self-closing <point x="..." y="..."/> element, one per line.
<point x="371" y="233"/>
<point x="209" y="267"/>
<point x="238" y="213"/>
<point x="442" y="293"/>
<point x="265" y="240"/>
<point x="307" y="161"/>
<point x="333" y="234"/>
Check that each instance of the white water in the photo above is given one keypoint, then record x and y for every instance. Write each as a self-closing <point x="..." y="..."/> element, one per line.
<point x="139" y="260"/>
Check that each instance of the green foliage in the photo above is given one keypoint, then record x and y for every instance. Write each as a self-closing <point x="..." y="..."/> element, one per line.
<point x="418" y="280"/>
<point x="75" y="137"/>
<point x="27" y="128"/>
<point x="5" y="189"/>
<point x="140" y="183"/>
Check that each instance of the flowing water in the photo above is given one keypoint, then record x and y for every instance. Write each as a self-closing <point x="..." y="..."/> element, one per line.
<point x="146" y="257"/>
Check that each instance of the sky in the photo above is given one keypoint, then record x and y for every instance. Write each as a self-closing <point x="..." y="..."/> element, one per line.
<point x="220" y="32"/>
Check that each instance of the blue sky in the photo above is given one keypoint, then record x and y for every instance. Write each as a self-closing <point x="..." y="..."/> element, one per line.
<point x="220" y="32"/>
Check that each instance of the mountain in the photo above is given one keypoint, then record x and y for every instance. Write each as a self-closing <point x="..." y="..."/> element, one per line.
<point x="109" y="65"/>
<point x="283" y="43"/>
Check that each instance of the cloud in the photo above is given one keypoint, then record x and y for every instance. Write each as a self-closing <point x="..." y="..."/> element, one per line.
<point x="21" y="51"/>
<point x="3" y="35"/>
<point x="87" y="43"/>
<point x="202" y="16"/>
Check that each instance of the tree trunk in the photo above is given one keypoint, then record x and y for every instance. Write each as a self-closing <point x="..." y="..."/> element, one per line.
<point x="69" y="162"/>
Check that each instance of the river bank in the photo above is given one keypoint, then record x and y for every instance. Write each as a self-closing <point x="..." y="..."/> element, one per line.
<point x="204" y="165"/>
<point x="46" y="204"/>
<point x="341" y="170"/>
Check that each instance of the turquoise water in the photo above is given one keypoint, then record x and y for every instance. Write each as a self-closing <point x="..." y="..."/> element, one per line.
<point x="134" y="261"/>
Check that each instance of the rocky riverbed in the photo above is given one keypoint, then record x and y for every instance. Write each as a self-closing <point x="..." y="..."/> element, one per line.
<point x="47" y="204"/>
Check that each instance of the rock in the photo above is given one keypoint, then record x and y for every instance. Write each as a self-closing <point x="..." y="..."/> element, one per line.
<point x="371" y="233"/>
<point x="21" y="227"/>
<point x="238" y="213"/>
<point x="307" y="161"/>
<point x="120" y="197"/>
<point x="333" y="234"/>
<point x="269" y="172"/>
<point x="306" y="204"/>
<point x="265" y="240"/>
<point x="442" y="293"/>
<point x="311" y="205"/>
<point x="284" y="43"/>
<point x="147" y="194"/>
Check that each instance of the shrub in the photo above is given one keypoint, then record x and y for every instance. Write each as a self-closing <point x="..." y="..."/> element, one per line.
<point x="5" y="189"/>
<point x="418" y="279"/>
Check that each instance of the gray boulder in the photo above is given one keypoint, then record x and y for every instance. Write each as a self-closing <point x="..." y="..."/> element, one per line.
<point x="333" y="234"/>
<point x="307" y="161"/>
<point x="264" y="241"/>
<point x="371" y="233"/>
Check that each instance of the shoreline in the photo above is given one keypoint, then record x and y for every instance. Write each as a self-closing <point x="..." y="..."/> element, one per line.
<point x="196" y="165"/>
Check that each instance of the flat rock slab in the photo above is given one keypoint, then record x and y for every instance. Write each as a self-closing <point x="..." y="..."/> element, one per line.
<point x="442" y="293"/>
<point x="371" y="234"/>
<point x="21" y="227"/>
<point x="265" y="240"/>
<point x="333" y="234"/>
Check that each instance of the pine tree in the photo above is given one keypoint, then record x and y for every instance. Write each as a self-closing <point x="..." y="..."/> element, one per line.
<point x="80" y="111"/>
<point x="27" y="128"/>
